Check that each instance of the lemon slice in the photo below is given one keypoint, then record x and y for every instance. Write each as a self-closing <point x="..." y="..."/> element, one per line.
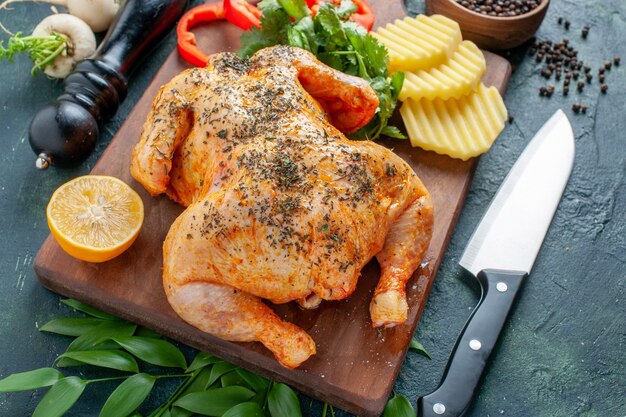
<point x="95" y="218"/>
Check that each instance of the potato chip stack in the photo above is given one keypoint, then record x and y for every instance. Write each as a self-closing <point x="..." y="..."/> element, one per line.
<point x="446" y="108"/>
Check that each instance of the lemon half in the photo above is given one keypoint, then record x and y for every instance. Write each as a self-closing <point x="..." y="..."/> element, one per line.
<point x="94" y="217"/>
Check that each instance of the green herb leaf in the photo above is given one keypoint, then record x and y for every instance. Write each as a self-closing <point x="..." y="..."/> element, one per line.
<point x="60" y="397"/>
<point x="71" y="326"/>
<point x="145" y="332"/>
<point x="114" y="359"/>
<point x="201" y="360"/>
<point x="128" y="395"/>
<point x="247" y="409"/>
<point x="258" y="383"/>
<point x="154" y="351"/>
<point x="219" y="369"/>
<point x="215" y="402"/>
<point x="399" y="406"/>
<point x="295" y="8"/>
<point x="283" y="402"/>
<point x="97" y="338"/>
<point x="78" y="306"/>
<point x="24" y="381"/>
<point x="392" y="132"/>
<point x="419" y="348"/>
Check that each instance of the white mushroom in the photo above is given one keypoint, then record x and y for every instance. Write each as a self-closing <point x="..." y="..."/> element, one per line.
<point x="81" y="42"/>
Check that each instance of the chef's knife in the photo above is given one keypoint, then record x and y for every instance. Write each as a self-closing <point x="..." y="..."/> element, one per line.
<point x="501" y="253"/>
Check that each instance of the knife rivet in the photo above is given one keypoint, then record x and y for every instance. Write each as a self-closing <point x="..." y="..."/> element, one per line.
<point x="501" y="286"/>
<point x="439" y="408"/>
<point x="475" y="344"/>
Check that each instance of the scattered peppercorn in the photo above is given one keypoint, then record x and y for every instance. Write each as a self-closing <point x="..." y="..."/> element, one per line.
<point x="500" y="8"/>
<point x="511" y="118"/>
<point x="566" y="24"/>
<point x="616" y="60"/>
<point x="601" y="78"/>
<point x="576" y="108"/>
<point x="585" y="32"/>
<point x="559" y="20"/>
<point x="604" y="88"/>
<point x="565" y="90"/>
<point x="542" y="91"/>
<point x="589" y="78"/>
<point x="587" y="69"/>
<point x="607" y="65"/>
<point x="575" y="74"/>
<point x="550" y="90"/>
<point x="583" y="108"/>
<point x="601" y="71"/>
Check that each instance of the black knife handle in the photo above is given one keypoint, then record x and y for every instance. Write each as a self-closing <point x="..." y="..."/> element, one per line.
<point x="474" y="346"/>
<point x="64" y="132"/>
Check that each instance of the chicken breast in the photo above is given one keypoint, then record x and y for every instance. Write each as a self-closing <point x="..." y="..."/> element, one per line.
<point x="280" y="204"/>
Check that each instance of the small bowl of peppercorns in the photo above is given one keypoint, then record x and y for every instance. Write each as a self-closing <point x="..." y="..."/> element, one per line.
<point x="493" y="24"/>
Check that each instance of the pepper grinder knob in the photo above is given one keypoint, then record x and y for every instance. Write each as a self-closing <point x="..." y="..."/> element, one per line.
<point x="64" y="132"/>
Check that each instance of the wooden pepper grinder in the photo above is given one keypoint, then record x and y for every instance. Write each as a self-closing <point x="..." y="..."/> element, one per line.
<point x="64" y="132"/>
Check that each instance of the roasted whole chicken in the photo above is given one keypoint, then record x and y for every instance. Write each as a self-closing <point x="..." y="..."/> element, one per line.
<point x="280" y="204"/>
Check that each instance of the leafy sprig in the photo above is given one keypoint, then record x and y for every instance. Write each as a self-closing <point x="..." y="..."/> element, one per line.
<point x="336" y="41"/>
<point x="209" y="385"/>
<point x="42" y="50"/>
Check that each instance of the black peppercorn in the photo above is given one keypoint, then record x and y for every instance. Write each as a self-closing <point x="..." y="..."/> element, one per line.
<point x="604" y="88"/>
<point x="607" y="65"/>
<point x="583" y="108"/>
<point x="565" y="90"/>
<point x="580" y="86"/>
<point x="601" y="78"/>
<point x="589" y="78"/>
<point x="616" y="60"/>
<point x="585" y="32"/>
<point x="576" y="107"/>
<point x="566" y="24"/>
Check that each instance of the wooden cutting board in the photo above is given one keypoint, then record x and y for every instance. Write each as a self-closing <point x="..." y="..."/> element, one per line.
<point x="355" y="365"/>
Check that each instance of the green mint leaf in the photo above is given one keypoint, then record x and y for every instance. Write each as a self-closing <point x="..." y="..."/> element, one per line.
<point x="128" y="396"/>
<point x="247" y="409"/>
<point x="392" y="132"/>
<point x="113" y="359"/>
<point x="71" y="326"/>
<point x="419" y="348"/>
<point x="283" y="402"/>
<point x="154" y="351"/>
<point x="78" y="306"/>
<point x="60" y="398"/>
<point x="214" y="402"/>
<point x="24" y="381"/>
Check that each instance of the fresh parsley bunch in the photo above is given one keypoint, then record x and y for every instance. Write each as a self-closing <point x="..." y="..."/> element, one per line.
<point x="336" y="41"/>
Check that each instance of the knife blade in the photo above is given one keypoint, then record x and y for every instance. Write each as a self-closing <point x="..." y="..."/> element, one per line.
<point x="500" y="254"/>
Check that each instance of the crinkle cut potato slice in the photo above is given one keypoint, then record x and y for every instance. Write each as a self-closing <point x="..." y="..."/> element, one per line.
<point x="417" y="43"/>
<point x="461" y="128"/>
<point x="455" y="78"/>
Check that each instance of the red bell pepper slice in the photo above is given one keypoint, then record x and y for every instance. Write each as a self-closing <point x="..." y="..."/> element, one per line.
<point x="242" y="14"/>
<point x="364" y="14"/>
<point x="187" y="46"/>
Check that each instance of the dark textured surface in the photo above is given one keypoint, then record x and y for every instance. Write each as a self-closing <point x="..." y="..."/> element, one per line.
<point x="562" y="353"/>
